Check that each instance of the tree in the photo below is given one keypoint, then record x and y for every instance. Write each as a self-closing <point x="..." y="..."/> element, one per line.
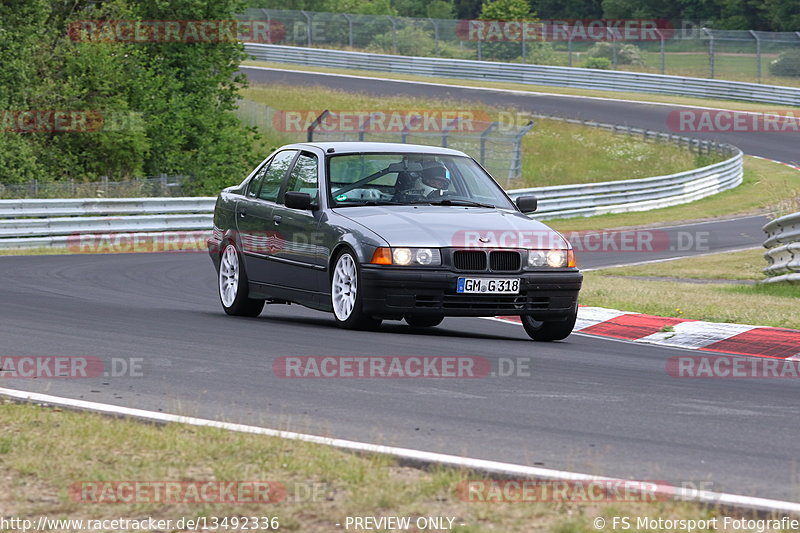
<point x="506" y="10"/>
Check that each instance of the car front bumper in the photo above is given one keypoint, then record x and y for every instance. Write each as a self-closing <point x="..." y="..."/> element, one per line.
<point x="393" y="292"/>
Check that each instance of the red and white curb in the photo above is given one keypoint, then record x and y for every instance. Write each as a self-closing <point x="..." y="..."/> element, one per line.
<point x="739" y="339"/>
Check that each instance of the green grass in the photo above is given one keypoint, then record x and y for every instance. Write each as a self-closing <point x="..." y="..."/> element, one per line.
<point x="765" y="188"/>
<point x="668" y="294"/>
<point x="45" y="451"/>
<point x="638" y="97"/>
<point x="597" y="155"/>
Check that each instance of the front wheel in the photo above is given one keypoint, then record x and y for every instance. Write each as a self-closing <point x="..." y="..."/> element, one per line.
<point x="346" y="296"/>
<point x="548" y="330"/>
<point x="233" y="290"/>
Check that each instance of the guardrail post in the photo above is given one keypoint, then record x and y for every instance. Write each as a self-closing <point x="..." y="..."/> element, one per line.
<point x="758" y="53"/>
<point x="269" y="25"/>
<point x="446" y="130"/>
<point x="308" y="27"/>
<point x="516" y="163"/>
<point x="569" y="49"/>
<point x="710" y="52"/>
<point x="349" y="29"/>
<point x="404" y="134"/>
<point x="317" y="122"/>
<point x="394" y="33"/>
<point x="435" y="35"/>
<point x="484" y="134"/>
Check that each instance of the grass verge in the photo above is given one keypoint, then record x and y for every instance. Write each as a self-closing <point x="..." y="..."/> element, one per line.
<point x="637" y="97"/>
<point x="701" y="288"/>
<point x="604" y="156"/>
<point x="46" y="451"/>
<point x="766" y="185"/>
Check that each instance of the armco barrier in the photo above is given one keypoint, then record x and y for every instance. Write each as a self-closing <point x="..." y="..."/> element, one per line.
<point x="783" y="249"/>
<point x="32" y="225"/>
<point x="529" y="74"/>
<point x="53" y="222"/>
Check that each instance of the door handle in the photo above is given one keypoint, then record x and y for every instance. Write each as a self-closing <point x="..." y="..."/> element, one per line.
<point x="242" y="213"/>
<point x="277" y="219"/>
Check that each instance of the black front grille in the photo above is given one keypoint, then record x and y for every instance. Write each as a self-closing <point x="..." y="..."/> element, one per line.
<point x="469" y="260"/>
<point x="504" y="261"/>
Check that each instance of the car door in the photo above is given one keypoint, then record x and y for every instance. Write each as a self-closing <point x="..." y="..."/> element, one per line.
<point x="299" y="262"/>
<point x="254" y="214"/>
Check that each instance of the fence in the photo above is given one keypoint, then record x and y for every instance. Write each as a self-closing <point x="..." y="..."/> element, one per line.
<point x="163" y="185"/>
<point x="497" y="146"/>
<point x="783" y="249"/>
<point x="530" y="74"/>
<point x="682" y="48"/>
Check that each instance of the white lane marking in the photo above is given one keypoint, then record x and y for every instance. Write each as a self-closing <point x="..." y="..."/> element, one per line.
<point x="696" y="334"/>
<point x="653" y="261"/>
<point x="494" y="467"/>
<point x="511" y="91"/>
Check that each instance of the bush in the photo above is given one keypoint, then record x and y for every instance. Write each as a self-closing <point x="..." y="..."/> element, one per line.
<point x="598" y="63"/>
<point x="627" y="54"/>
<point x="787" y="64"/>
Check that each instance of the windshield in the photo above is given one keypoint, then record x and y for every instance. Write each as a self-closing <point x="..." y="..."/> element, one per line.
<point x="406" y="179"/>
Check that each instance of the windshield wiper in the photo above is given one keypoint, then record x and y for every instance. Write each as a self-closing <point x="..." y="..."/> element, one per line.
<point x="368" y="202"/>
<point x="449" y="201"/>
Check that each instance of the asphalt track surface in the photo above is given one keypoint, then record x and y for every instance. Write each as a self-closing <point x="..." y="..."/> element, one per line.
<point x="588" y="404"/>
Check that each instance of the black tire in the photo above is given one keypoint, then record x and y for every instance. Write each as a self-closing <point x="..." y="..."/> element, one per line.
<point x="550" y="330"/>
<point x="346" y="294"/>
<point x="424" y="321"/>
<point x="232" y="284"/>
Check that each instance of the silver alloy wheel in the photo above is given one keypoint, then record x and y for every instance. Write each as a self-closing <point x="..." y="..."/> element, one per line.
<point x="344" y="287"/>
<point x="229" y="275"/>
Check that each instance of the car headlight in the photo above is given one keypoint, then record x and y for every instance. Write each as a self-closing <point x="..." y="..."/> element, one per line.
<point x="551" y="258"/>
<point x="407" y="256"/>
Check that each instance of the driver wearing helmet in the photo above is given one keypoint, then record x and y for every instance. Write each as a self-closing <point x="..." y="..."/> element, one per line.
<point x="432" y="180"/>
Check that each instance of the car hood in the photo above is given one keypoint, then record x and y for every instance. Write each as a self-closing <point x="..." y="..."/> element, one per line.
<point x="454" y="226"/>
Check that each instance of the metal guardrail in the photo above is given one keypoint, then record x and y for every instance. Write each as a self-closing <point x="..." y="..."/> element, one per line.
<point x="783" y="249"/>
<point x="529" y="74"/>
<point x="34" y="223"/>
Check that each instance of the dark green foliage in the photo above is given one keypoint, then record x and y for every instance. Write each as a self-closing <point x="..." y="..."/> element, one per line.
<point x="165" y="106"/>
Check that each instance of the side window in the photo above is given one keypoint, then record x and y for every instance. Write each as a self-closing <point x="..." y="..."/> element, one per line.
<point x="273" y="177"/>
<point x="304" y="175"/>
<point x="255" y="182"/>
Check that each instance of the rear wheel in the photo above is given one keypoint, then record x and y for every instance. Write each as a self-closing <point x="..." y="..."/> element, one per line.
<point x="548" y="330"/>
<point x="423" y="321"/>
<point x="233" y="289"/>
<point x="346" y="296"/>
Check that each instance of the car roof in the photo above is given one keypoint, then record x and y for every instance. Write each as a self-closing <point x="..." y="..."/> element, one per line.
<point x="344" y="147"/>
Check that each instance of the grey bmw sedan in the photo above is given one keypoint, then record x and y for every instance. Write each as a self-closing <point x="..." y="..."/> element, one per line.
<point x="381" y="231"/>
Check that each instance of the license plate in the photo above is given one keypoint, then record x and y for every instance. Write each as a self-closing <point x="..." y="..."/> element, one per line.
<point x="488" y="286"/>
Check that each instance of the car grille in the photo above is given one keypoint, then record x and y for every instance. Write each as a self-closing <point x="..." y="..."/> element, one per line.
<point x="494" y="302"/>
<point x="469" y="260"/>
<point x="504" y="261"/>
<point x="476" y="260"/>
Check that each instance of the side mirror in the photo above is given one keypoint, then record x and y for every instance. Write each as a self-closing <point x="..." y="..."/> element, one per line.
<point x="297" y="200"/>
<point x="527" y="204"/>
